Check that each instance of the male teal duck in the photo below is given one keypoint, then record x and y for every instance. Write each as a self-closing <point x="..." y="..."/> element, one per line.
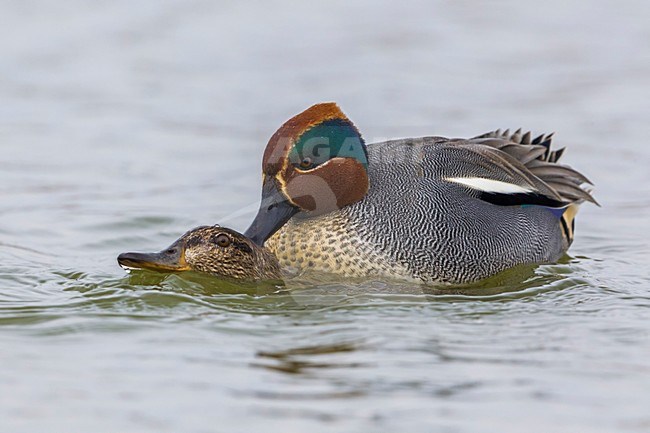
<point x="430" y="209"/>
<point x="214" y="250"/>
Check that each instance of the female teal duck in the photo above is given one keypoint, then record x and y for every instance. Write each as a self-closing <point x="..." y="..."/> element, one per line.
<point x="429" y="209"/>
<point x="213" y="250"/>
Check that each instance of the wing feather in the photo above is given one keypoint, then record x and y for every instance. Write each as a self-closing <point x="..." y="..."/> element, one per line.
<point x="528" y="164"/>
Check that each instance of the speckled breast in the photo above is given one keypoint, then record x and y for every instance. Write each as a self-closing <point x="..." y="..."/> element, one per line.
<point x="331" y="243"/>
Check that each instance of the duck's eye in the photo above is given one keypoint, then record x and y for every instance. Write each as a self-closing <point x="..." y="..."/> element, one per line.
<point x="223" y="240"/>
<point x="306" y="162"/>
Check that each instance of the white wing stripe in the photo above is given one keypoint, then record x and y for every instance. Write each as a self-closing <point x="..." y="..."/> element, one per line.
<point x="490" y="185"/>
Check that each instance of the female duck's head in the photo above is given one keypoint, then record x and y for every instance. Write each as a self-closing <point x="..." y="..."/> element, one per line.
<point x="316" y="163"/>
<point x="210" y="249"/>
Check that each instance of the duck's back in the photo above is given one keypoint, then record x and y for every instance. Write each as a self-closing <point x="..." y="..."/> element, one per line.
<point x="438" y="210"/>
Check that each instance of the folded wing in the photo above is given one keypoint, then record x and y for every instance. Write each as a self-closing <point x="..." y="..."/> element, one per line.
<point x="513" y="169"/>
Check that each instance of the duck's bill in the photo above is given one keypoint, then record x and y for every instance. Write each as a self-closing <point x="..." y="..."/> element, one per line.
<point x="275" y="210"/>
<point x="170" y="260"/>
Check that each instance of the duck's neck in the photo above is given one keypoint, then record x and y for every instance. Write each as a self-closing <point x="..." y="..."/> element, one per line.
<point x="267" y="265"/>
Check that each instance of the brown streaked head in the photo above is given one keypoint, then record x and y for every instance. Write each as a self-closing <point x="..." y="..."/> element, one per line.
<point x="316" y="162"/>
<point x="214" y="250"/>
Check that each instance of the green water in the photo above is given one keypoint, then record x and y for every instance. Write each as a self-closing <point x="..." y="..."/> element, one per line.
<point x="122" y="125"/>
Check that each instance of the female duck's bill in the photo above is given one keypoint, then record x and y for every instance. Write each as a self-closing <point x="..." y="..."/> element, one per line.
<point x="316" y="162"/>
<point x="171" y="259"/>
<point x="210" y="249"/>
